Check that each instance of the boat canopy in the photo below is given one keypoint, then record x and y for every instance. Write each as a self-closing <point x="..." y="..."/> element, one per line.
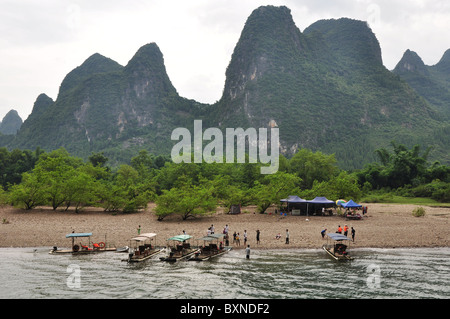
<point x="216" y="236"/>
<point x="144" y="237"/>
<point x="149" y="235"/>
<point x="338" y="237"/>
<point x="72" y="235"/>
<point x="212" y="237"/>
<point x="180" y="237"/>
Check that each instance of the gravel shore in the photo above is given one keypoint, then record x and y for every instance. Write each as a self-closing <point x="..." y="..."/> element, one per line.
<point x="385" y="225"/>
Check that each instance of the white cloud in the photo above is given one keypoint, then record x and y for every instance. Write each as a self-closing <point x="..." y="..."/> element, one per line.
<point x="43" y="41"/>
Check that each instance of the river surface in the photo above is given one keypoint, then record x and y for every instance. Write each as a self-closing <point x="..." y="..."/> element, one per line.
<point x="32" y="273"/>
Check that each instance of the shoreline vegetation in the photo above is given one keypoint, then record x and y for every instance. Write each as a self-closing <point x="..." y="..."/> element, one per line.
<point x="48" y="195"/>
<point x="384" y="226"/>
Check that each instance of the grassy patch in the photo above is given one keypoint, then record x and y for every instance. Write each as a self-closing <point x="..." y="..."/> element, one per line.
<point x="395" y="199"/>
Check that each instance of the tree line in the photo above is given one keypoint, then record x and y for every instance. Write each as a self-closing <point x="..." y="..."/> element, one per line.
<point x="57" y="179"/>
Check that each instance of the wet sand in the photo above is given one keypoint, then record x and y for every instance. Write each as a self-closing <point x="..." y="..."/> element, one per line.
<point x="385" y="225"/>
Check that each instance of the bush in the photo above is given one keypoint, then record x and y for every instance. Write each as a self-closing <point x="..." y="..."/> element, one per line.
<point x="419" y="212"/>
<point x="442" y="193"/>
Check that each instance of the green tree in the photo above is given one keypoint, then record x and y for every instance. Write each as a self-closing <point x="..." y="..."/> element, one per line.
<point x="274" y="187"/>
<point x="142" y="163"/>
<point x="186" y="200"/>
<point x="29" y="193"/>
<point x="55" y="170"/>
<point x="3" y="197"/>
<point x="230" y="193"/>
<point x="98" y="159"/>
<point x="344" y="185"/>
<point x="399" y="168"/>
<point x="310" y="166"/>
<point x="125" y="192"/>
<point x="14" y="163"/>
<point x="112" y="196"/>
<point x="80" y="190"/>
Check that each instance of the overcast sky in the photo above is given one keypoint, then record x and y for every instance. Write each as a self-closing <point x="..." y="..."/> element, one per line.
<point x="41" y="41"/>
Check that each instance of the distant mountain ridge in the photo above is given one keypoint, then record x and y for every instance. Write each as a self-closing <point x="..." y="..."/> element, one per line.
<point x="102" y="106"/>
<point x="11" y="123"/>
<point x="431" y="82"/>
<point x="325" y="88"/>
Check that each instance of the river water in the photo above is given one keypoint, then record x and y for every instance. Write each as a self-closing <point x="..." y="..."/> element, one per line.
<point x="32" y="273"/>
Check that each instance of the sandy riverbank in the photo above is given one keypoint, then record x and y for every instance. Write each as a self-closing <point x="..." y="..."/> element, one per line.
<point x="385" y="225"/>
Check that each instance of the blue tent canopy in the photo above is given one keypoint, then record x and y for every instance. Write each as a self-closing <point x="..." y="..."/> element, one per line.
<point x="293" y="199"/>
<point x="350" y="204"/>
<point x="321" y="200"/>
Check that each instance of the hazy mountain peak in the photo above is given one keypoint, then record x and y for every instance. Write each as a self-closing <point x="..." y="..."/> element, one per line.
<point x="444" y="64"/>
<point x="410" y="62"/>
<point x="95" y="64"/>
<point x="11" y="123"/>
<point x="268" y="39"/>
<point x="147" y="71"/>
<point x="42" y="102"/>
<point x="350" y="40"/>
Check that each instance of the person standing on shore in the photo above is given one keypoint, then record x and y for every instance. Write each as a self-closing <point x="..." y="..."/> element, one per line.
<point x="245" y="237"/>
<point x="258" y="233"/>
<point x="339" y="231"/>
<point x="323" y="233"/>
<point x="345" y="230"/>
<point x="139" y="230"/>
<point x="353" y="234"/>
<point x="287" y="236"/>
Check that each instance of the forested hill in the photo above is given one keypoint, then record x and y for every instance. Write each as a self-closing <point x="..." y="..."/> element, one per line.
<point x="431" y="82"/>
<point x="105" y="107"/>
<point x="325" y="88"/>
